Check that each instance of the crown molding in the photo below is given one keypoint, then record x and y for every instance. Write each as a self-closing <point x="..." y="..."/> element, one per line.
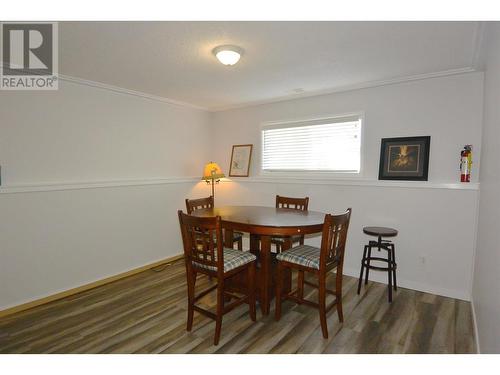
<point x="121" y="90"/>
<point x="358" y="86"/>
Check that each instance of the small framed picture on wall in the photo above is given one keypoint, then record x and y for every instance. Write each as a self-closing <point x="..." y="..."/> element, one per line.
<point x="240" y="160"/>
<point x="404" y="158"/>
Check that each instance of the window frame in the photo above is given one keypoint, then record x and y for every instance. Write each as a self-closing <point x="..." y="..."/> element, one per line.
<point x="338" y="175"/>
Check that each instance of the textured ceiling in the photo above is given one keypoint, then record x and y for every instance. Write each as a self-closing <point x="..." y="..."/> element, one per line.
<point x="281" y="59"/>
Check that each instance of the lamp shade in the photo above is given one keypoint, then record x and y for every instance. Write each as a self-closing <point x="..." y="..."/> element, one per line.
<point x="212" y="171"/>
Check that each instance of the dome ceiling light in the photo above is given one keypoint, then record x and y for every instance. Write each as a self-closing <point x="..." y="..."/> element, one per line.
<point x="228" y="55"/>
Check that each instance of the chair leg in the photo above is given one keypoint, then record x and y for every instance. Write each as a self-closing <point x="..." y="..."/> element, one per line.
<point x="300" y="285"/>
<point x="389" y="274"/>
<point x="251" y="291"/>
<point x="240" y="243"/>
<point x="338" y="295"/>
<point x="279" y="282"/>
<point x="191" y="282"/>
<point x="220" y="310"/>
<point x="394" y="270"/>
<point x="362" y="269"/>
<point x="322" y="305"/>
<point x="368" y="263"/>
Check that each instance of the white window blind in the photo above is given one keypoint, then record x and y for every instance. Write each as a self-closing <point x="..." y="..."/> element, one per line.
<point x="329" y="145"/>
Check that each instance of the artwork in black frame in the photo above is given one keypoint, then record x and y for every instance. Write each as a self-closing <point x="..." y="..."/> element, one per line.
<point x="405" y="158"/>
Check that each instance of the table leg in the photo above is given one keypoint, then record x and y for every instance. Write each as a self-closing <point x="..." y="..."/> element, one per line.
<point x="265" y="279"/>
<point x="287" y="274"/>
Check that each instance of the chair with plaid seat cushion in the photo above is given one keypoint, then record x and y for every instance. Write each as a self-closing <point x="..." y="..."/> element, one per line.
<point x="300" y="204"/>
<point x="204" y="253"/>
<point x="317" y="261"/>
<point x="195" y="204"/>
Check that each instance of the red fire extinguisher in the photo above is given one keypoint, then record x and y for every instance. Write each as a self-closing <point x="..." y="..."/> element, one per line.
<point x="465" y="163"/>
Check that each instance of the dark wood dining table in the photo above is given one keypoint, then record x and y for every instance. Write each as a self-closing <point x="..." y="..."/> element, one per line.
<point x="262" y="223"/>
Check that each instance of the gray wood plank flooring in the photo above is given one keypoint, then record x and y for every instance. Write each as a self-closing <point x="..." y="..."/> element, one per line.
<point x="146" y="313"/>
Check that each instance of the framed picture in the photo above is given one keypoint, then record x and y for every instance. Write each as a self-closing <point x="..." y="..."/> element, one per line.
<point x="404" y="158"/>
<point x="240" y="160"/>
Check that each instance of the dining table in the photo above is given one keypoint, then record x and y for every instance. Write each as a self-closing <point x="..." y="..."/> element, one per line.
<point x="263" y="223"/>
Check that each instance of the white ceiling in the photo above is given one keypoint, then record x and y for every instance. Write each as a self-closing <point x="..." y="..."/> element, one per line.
<point x="281" y="60"/>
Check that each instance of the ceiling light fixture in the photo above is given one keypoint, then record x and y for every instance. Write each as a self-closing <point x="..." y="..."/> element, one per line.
<point x="228" y="55"/>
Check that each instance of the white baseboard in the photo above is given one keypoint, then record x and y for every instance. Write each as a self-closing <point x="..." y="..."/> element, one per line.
<point x="381" y="277"/>
<point x="69" y="292"/>
<point x="476" y="331"/>
<point x="409" y="284"/>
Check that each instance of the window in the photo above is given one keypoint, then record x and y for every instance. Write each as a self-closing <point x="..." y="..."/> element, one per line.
<point x="327" y="145"/>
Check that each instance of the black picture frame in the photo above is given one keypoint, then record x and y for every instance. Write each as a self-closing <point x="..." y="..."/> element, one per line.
<point x="404" y="158"/>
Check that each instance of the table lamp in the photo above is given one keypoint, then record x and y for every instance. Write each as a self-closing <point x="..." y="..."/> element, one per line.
<point x="212" y="173"/>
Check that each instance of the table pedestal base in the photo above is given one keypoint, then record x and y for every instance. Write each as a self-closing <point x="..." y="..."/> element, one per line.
<point x="266" y="274"/>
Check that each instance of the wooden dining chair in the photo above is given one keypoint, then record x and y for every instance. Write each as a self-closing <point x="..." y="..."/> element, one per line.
<point x="317" y="261"/>
<point x="300" y="204"/>
<point x="195" y="204"/>
<point x="204" y="253"/>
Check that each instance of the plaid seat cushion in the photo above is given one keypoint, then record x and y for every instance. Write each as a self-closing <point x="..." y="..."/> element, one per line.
<point x="232" y="259"/>
<point x="303" y="255"/>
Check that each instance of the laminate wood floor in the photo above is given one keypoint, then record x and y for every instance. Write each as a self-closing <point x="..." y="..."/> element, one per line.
<point x="146" y="313"/>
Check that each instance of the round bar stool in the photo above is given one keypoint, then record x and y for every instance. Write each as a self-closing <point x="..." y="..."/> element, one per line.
<point x="380" y="244"/>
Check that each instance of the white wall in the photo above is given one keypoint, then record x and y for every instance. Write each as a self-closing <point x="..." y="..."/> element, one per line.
<point x="81" y="133"/>
<point x="64" y="237"/>
<point x="59" y="239"/>
<point x="486" y="298"/>
<point x="436" y="223"/>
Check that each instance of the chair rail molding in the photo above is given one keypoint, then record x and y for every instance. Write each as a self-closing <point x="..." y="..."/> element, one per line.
<point x="356" y="182"/>
<point x="31" y="188"/>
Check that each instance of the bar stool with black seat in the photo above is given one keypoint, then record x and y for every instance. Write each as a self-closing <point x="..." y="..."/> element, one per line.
<point x="204" y="253"/>
<point x="195" y="204"/>
<point x="318" y="261"/>
<point x="380" y="244"/>
<point x="300" y="204"/>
